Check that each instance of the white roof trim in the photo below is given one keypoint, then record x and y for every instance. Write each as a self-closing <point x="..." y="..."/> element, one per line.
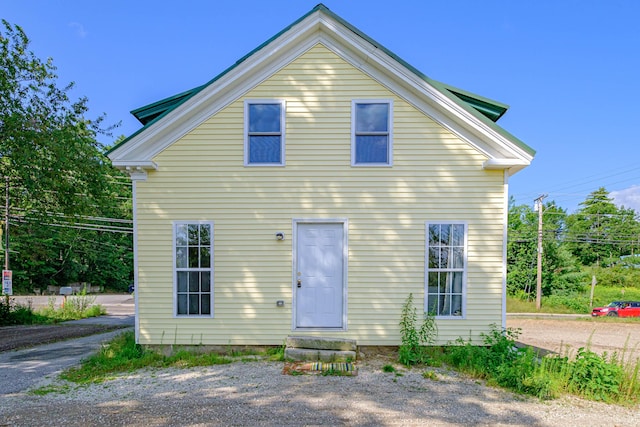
<point x="137" y="170"/>
<point x="321" y="28"/>
<point x="500" y="164"/>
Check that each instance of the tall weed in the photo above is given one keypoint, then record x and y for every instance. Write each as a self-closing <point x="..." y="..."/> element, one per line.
<point x="413" y="340"/>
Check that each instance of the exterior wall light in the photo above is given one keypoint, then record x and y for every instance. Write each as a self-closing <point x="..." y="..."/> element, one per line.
<point x="280" y="235"/>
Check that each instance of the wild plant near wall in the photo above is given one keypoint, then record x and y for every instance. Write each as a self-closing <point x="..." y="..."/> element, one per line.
<point x="414" y="340"/>
<point x="589" y="375"/>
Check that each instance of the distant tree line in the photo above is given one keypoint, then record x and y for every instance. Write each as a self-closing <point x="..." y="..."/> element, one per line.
<point x="598" y="235"/>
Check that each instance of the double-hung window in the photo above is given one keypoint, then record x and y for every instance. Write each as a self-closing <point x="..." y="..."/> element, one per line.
<point x="446" y="260"/>
<point x="264" y="132"/>
<point x="193" y="272"/>
<point x="371" y="133"/>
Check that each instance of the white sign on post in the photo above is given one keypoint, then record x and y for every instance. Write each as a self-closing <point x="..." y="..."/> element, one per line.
<point x="7" y="284"/>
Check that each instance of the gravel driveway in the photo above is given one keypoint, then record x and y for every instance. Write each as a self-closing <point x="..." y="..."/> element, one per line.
<point x="257" y="393"/>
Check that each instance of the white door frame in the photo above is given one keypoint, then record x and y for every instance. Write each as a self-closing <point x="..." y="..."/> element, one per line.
<point x="345" y="275"/>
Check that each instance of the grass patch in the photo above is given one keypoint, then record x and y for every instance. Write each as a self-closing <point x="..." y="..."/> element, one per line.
<point x="122" y="355"/>
<point x="75" y="307"/>
<point x="51" y="389"/>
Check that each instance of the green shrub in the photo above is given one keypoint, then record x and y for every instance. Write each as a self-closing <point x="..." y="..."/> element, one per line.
<point x="413" y="340"/>
<point x="592" y="376"/>
<point x="18" y="314"/>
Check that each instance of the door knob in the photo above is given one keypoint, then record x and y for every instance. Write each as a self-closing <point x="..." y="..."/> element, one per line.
<point x="299" y="283"/>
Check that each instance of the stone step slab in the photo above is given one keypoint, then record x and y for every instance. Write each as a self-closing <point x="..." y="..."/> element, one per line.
<point x="321" y="343"/>
<point x="318" y="355"/>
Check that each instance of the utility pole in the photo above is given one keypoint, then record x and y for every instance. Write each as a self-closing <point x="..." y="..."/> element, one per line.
<point x="538" y="207"/>
<point x="7" y="283"/>
<point x="6" y="223"/>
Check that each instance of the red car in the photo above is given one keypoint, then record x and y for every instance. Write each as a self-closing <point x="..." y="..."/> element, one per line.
<point x="618" y="309"/>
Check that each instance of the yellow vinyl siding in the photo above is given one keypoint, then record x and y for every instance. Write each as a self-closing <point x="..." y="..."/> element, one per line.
<point x="435" y="177"/>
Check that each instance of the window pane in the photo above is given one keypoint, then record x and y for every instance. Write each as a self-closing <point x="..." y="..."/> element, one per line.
<point x="445" y="305"/>
<point x="193" y="257"/>
<point x="182" y="281"/>
<point x="432" y="304"/>
<point x="194" y="281"/>
<point x="182" y="304"/>
<point x="372" y="117"/>
<point x="372" y="149"/>
<point x="445" y="233"/>
<point x="457" y="282"/>
<point x="456" y="305"/>
<point x="193" y="234"/>
<point x="264" y="149"/>
<point x="205" y="234"/>
<point x="205" y="281"/>
<point x="194" y="304"/>
<point x="434" y="235"/>
<point x="264" y="117"/>
<point x="444" y="257"/>
<point x="443" y="283"/>
<point x="433" y="283"/>
<point x="205" y="257"/>
<point x="181" y="235"/>
<point x="205" y="304"/>
<point x="181" y="257"/>
<point x="458" y="258"/>
<point x="434" y="257"/>
<point x="457" y="238"/>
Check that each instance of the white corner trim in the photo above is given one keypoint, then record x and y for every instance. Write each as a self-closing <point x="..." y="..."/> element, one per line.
<point x="505" y="232"/>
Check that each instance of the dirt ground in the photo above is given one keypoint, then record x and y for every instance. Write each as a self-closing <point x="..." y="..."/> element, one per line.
<point x="566" y="336"/>
<point x="16" y="337"/>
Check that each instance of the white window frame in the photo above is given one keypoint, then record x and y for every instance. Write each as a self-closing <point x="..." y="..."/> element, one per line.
<point x="355" y="134"/>
<point x="282" y="132"/>
<point x="463" y="270"/>
<point x="207" y="269"/>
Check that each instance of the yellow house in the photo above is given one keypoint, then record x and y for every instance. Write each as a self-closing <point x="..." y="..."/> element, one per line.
<point x="309" y="189"/>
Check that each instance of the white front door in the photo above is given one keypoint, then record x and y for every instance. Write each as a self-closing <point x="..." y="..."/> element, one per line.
<point x="319" y="276"/>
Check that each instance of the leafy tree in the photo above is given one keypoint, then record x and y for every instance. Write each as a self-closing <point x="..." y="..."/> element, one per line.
<point x="60" y="181"/>
<point x="600" y="232"/>
<point x="48" y="148"/>
<point x="560" y="272"/>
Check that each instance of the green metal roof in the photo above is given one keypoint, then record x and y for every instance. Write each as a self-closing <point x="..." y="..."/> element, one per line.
<point x="149" y="112"/>
<point x="489" y="110"/>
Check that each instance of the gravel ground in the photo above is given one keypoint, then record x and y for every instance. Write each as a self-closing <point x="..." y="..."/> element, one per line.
<point x="257" y="393"/>
<point x="567" y="336"/>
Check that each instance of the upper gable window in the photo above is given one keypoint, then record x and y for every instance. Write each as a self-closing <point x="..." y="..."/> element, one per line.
<point x="264" y="132"/>
<point x="371" y="136"/>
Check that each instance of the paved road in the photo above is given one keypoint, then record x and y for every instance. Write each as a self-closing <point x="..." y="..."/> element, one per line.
<point x="26" y="368"/>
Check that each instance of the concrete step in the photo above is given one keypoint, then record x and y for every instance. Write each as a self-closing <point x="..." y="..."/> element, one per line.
<point x="320" y="349"/>
<point x="318" y="355"/>
<point x="321" y="343"/>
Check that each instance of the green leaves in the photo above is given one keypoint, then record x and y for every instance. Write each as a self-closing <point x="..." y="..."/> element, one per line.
<point x="414" y="340"/>
<point x="59" y="178"/>
<point x="600" y="232"/>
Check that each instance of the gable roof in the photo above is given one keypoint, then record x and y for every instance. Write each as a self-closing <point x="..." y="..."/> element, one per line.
<point x="470" y="116"/>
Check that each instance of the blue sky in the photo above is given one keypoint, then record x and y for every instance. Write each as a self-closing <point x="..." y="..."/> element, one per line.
<point x="568" y="69"/>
